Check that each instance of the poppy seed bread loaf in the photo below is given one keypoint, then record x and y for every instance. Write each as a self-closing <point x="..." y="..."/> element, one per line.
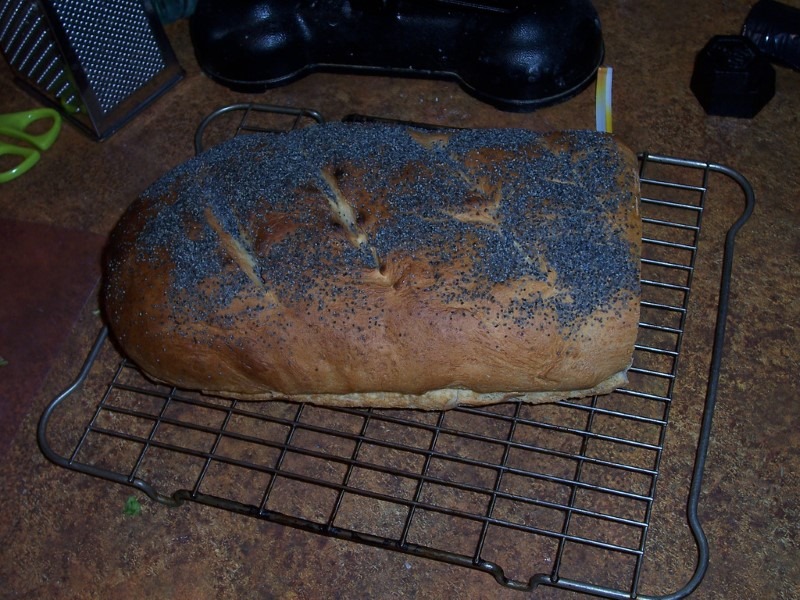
<point x="379" y="265"/>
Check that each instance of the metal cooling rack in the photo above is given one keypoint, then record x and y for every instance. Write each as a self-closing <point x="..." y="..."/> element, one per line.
<point x="557" y="495"/>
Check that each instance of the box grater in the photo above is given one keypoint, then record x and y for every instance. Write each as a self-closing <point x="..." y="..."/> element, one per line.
<point x="98" y="61"/>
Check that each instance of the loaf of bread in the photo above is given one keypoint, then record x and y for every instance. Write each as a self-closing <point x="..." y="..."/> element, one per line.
<point x="379" y="265"/>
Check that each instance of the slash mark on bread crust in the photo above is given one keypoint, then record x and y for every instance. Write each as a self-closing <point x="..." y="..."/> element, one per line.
<point x="345" y="215"/>
<point x="239" y="254"/>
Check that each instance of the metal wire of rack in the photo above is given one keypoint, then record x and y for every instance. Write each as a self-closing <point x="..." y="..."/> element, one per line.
<point x="533" y="495"/>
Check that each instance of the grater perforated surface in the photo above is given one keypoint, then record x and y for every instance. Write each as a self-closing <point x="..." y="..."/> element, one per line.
<point x="115" y="44"/>
<point x="30" y="48"/>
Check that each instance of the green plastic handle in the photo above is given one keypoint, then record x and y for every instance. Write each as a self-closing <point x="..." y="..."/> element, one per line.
<point x="15" y="125"/>
<point x="29" y="158"/>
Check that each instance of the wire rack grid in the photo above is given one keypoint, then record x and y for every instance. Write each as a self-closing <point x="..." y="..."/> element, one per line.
<point x="557" y="495"/>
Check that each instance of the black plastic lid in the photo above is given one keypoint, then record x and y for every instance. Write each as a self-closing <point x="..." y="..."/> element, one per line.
<point x="732" y="78"/>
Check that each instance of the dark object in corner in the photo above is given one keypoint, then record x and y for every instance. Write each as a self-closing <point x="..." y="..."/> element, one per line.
<point x="516" y="56"/>
<point x="775" y="30"/>
<point x="169" y="11"/>
<point x="732" y="78"/>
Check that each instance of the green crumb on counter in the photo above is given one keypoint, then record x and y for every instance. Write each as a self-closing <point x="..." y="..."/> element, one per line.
<point x="132" y="506"/>
<point x="3" y="362"/>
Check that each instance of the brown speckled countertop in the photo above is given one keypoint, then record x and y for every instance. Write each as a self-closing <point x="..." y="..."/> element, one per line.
<point x="65" y="535"/>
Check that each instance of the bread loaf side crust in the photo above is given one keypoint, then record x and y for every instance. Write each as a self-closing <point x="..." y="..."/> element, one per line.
<point x="375" y="265"/>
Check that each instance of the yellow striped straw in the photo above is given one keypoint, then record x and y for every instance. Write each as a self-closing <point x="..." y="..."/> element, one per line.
<point x="603" y="99"/>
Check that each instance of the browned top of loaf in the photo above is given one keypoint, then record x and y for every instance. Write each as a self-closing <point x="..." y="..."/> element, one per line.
<point x="473" y="238"/>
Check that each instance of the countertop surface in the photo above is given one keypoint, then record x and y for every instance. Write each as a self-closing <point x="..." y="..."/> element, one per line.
<point x="66" y="535"/>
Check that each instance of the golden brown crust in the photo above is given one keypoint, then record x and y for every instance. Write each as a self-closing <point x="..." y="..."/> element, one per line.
<point x="367" y="265"/>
